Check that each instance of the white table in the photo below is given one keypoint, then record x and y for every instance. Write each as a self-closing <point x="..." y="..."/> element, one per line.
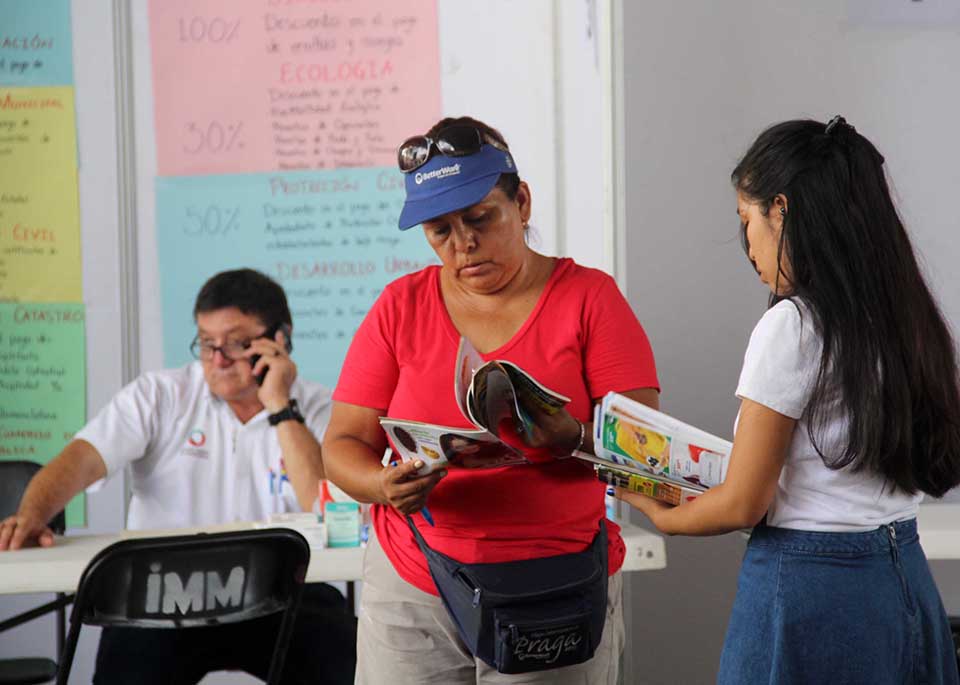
<point x="939" y="526"/>
<point x="58" y="568"/>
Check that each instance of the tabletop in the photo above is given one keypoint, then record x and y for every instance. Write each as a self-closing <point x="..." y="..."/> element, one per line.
<point x="58" y="568"/>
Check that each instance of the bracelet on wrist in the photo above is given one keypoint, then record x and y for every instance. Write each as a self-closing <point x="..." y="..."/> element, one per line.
<point x="583" y="434"/>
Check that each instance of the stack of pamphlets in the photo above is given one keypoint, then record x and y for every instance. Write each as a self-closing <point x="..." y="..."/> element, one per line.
<point x="637" y="448"/>
<point x="643" y="450"/>
<point x="495" y="397"/>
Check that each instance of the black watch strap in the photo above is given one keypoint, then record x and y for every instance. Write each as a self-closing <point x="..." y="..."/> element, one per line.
<point x="290" y="412"/>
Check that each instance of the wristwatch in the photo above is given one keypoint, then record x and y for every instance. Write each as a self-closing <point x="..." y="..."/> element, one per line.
<point x="291" y="411"/>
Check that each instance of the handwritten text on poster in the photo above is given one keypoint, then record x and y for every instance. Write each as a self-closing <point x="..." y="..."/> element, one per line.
<point x="36" y="48"/>
<point x="260" y="85"/>
<point x="42" y="383"/>
<point x="329" y="237"/>
<point x="39" y="208"/>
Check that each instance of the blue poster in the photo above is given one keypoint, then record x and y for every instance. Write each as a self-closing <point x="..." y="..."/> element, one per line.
<point x="36" y="48"/>
<point x="330" y="238"/>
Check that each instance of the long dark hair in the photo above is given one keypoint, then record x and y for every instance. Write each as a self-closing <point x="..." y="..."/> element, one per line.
<point x="886" y="347"/>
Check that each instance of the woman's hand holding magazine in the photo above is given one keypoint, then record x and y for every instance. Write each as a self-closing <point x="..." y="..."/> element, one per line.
<point x="642" y="450"/>
<point x="515" y="419"/>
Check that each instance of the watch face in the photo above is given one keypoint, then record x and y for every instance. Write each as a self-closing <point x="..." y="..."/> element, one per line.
<point x="295" y="410"/>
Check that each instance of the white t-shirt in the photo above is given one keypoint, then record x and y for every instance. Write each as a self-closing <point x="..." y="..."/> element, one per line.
<point x="779" y="371"/>
<point x="191" y="460"/>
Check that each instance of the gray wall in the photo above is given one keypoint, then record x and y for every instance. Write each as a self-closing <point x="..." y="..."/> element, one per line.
<point x="702" y="80"/>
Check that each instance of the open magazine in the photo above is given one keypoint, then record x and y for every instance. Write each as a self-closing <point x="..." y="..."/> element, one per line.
<point x="494" y="397"/>
<point x="643" y="450"/>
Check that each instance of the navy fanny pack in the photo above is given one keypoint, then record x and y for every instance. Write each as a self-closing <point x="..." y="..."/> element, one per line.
<point x="528" y="615"/>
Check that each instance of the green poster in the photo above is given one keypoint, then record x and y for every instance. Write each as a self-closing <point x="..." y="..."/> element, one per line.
<point x="42" y="383"/>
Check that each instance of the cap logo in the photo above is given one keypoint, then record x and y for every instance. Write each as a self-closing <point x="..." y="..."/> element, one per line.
<point x="442" y="172"/>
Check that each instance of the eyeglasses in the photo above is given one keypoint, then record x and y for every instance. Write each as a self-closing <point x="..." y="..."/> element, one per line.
<point x="452" y="141"/>
<point x="232" y="349"/>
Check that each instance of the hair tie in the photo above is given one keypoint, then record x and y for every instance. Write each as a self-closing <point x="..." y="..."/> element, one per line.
<point x="833" y="123"/>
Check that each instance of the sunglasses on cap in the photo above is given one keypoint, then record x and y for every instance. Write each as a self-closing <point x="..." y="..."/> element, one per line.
<point x="452" y="141"/>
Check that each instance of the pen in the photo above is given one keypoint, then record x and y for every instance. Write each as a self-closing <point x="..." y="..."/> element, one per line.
<point x="427" y="516"/>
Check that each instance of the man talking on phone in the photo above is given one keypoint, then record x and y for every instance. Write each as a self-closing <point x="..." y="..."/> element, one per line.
<point x="234" y="436"/>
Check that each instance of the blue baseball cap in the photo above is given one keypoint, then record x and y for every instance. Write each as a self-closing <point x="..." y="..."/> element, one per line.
<point x="446" y="184"/>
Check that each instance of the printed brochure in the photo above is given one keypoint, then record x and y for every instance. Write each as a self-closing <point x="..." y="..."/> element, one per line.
<point x="496" y="397"/>
<point x="644" y="450"/>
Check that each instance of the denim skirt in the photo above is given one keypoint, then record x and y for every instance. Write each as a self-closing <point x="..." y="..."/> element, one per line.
<point x="837" y="608"/>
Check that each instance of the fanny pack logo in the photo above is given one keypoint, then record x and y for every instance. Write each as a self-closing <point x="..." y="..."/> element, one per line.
<point x="547" y="647"/>
<point x="442" y="172"/>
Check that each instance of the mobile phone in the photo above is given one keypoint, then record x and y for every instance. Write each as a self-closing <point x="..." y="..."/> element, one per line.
<point x="271" y="334"/>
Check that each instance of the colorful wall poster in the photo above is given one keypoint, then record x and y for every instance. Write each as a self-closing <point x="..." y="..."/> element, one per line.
<point x="39" y="206"/>
<point x="36" y="45"/>
<point x="42" y="383"/>
<point x="329" y="238"/>
<point x="261" y="85"/>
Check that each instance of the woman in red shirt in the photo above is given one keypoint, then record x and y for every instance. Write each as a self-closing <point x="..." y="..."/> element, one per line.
<point x="566" y="325"/>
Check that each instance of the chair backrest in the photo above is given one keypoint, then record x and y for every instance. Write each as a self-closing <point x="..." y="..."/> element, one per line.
<point x="201" y="579"/>
<point x="192" y="580"/>
<point x="14" y="477"/>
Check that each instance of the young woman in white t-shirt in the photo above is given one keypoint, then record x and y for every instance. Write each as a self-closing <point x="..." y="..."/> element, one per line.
<point x="850" y="413"/>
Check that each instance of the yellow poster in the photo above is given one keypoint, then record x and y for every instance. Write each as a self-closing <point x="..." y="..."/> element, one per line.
<point x="39" y="206"/>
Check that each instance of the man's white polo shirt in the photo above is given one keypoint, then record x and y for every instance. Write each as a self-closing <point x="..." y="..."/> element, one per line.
<point x="191" y="460"/>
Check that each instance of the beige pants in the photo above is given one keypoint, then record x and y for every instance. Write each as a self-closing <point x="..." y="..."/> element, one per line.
<point x="406" y="636"/>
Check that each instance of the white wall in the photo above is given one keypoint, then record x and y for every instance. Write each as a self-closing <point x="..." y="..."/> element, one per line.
<point x="579" y="117"/>
<point x="702" y="79"/>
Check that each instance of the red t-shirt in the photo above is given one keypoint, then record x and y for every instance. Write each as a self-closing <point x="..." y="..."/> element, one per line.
<point x="581" y="340"/>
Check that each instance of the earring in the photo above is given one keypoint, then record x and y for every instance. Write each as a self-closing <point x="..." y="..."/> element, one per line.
<point x="783" y="211"/>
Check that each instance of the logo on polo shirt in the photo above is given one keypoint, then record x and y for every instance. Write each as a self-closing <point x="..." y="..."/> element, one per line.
<point x="437" y="174"/>
<point x="276" y="484"/>
<point x="196" y="438"/>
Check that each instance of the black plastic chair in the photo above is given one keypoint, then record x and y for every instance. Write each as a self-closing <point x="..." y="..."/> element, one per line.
<point x="14" y="477"/>
<point x="193" y="580"/>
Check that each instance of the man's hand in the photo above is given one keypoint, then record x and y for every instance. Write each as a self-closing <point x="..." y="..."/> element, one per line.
<point x="24" y="530"/>
<point x="404" y="490"/>
<point x="77" y="467"/>
<point x="274" y="394"/>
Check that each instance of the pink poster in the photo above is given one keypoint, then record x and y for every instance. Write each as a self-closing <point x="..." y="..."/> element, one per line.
<point x="266" y="85"/>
